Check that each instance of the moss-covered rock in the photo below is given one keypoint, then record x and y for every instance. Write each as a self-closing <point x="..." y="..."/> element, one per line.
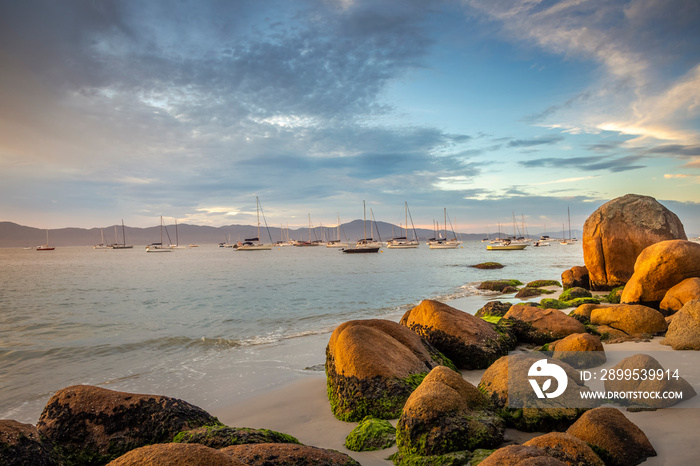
<point x="576" y="302"/>
<point x="371" y="434"/>
<point x="457" y="458"/>
<point x="549" y="303"/>
<point x="219" y="436"/>
<point x="575" y="292"/>
<point x="493" y="308"/>
<point x="501" y="286"/>
<point x="567" y="448"/>
<point x="287" y="454"/>
<point x="467" y="340"/>
<point x="528" y="291"/>
<point x="488" y="266"/>
<point x="21" y="444"/>
<point x="175" y="454"/>
<point x="542" y="283"/>
<point x="372" y="366"/>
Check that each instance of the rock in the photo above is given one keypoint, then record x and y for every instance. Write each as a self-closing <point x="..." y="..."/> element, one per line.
<point x="613" y="335"/>
<point x="542" y="283"/>
<point x="542" y="325"/>
<point x="515" y="455"/>
<point x="220" y="436"/>
<point x="616" y="439"/>
<point x="21" y="444"/>
<point x="446" y="414"/>
<point x="372" y="366"/>
<point x="567" y="448"/>
<point x="528" y="291"/>
<point x="488" y="266"/>
<point x="501" y="286"/>
<point x="633" y="319"/>
<point x="575" y="292"/>
<point x="493" y="308"/>
<point x="507" y="384"/>
<point x="684" y="330"/>
<point x="616" y="233"/>
<point x="678" y="295"/>
<point x="642" y="365"/>
<point x="579" y="350"/>
<point x="371" y="434"/>
<point x="575" y="277"/>
<point x="469" y="341"/>
<point x="175" y="454"/>
<point x="286" y="454"/>
<point x="584" y="311"/>
<point x="659" y="268"/>
<point x="93" y="424"/>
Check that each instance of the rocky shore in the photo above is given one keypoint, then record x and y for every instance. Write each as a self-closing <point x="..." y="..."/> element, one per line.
<point x="437" y="386"/>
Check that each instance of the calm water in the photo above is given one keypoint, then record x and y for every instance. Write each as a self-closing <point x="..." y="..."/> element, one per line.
<point x="210" y="324"/>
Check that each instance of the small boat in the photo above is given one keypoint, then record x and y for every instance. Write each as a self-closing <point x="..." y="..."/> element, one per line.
<point x="402" y="242"/>
<point x="254" y="244"/>
<point x="158" y="247"/>
<point x="123" y="245"/>
<point x="177" y="239"/>
<point x="336" y="243"/>
<point x="444" y="243"/>
<point x="506" y="246"/>
<point x="365" y="245"/>
<point x="567" y="241"/>
<point x="45" y="247"/>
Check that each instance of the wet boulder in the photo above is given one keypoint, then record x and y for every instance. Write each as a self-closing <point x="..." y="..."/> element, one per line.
<point x="579" y="350"/>
<point x="371" y="434"/>
<point x="684" y="330"/>
<point x="575" y="277"/>
<point x="659" y="268"/>
<point x="540" y="326"/>
<point x="287" y="454"/>
<point x="678" y="295"/>
<point x="493" y="308"/>
<point x="632" y="319"/>
<point x="93" y="424"/>
<point x="220" y="436"/>
<point x="507" y="384"/>
<point x="175" y="454"/>
<point x="21" y="444"/>
<point x="373" y="365"/>
<point x="650" y="378"/>
<point x="446" y="414"/>
<point x="616" y="439"/>
<point x="500" y="286"/>
<point x="469" y="341"/>
<point x="567" y="448"/>
<point x="618" y="231"/>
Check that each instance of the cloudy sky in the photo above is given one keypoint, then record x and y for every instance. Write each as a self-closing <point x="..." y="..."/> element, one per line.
<point x="489" y="108"/>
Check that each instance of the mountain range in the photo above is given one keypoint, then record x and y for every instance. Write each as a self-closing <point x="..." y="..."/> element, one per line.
<point x="14" y="235"/>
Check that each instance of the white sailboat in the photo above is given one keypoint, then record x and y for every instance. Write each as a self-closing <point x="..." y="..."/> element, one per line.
<point x="177" y="239"/>
<point x="46" y="247"/>
<point x="402" y="242"/>
<point x="123" y="245"/>
<point x="254" y="244"/>
<point x="444" y="243"/>
<point x="365" y="245"/>
<point x="102" y="244"/>
<point x="567" y="241"/>
<point x="158" y="247"/>
<point x="336" y="243"/>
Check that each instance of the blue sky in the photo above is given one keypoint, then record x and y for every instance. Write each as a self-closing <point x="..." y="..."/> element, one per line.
<point x="190" y="109"/>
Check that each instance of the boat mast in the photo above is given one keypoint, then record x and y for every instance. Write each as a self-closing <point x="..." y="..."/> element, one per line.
<point x="257" y="208"/>
<point x="123" y="232"/>
<point x="364" y="221"/>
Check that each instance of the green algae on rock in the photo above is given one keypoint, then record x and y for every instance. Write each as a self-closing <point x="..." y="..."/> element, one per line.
<point x="371" y="434"/>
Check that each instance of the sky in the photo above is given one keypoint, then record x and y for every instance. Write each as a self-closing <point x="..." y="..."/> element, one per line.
<point x="490" y="109"/>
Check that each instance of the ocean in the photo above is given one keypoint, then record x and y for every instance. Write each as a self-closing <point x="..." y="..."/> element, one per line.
<point x="214" y="325"/>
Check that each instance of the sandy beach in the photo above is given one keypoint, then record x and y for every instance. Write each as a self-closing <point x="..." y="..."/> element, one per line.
<point x="299" y="407"/>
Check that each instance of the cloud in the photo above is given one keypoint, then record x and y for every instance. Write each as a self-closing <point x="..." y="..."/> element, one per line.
<point x="535" y="142"/>
<point x="590" y="163"/>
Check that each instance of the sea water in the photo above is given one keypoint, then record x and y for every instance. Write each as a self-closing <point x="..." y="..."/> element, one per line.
<point x="213" y="325"/>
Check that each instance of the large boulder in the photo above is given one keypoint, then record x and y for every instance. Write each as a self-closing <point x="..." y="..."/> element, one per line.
<point x="616" y="439"/>
<point x="632" y="319"/>
<point x="616" y="233"/>
<point x="676" y="297"/>
<point x="576" y="276"/>
<point x="684" y="330"/>
<point x="526" y="455"/>
<point x="220" y="436"/>
<point x="567" y="448"/>
<point x="446" y="414"/>
<point x="372" y="366"/>
<point x="371" y="434"/>
<point x="507" y="383"/>
<point x="493" y="308"/>
<point x="287" y="454"/>
<point x="542" y="326"/>
<point x="93" y="424"/>
<point x="646" y="376"/>
<point x="175" y="454"/>
<point x="659" y="268"/>
<point x="21" y="444"/>
<point x="579" y="350"/>
<point x="469" y="341"/>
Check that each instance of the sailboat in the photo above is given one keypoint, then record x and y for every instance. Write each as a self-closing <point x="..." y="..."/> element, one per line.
<point x="444" y="243"/>
<point x="45" y="247"/>
<point x="102" y="244"/>
<point x="402" y="242"/>
<point x="336" y="243"/>
<point x="158" y="247"/>
<point x="303" y="244"/>
<point x="365" y="245"/>
<point x="254" y="244"/>
<point x="177" y="239"/>
<point x="567" y="241"/>
<point x="123" y="245"/>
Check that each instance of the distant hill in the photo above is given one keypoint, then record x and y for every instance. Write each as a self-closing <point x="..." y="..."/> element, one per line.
<point x="14" y="235"/>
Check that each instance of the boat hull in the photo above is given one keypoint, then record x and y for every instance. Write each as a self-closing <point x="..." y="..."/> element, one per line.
<point x="504" y="247"/>
<point x="361" y="250"/>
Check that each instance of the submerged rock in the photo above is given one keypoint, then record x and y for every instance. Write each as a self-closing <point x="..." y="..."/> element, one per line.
<point x="372" y="366"/>
<point x="446" y="414"/>
<point x="94" y="425"/>
<point x="469" y="341"/>
<point x="616" y="439"/>
<point x="618" y="231"/>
